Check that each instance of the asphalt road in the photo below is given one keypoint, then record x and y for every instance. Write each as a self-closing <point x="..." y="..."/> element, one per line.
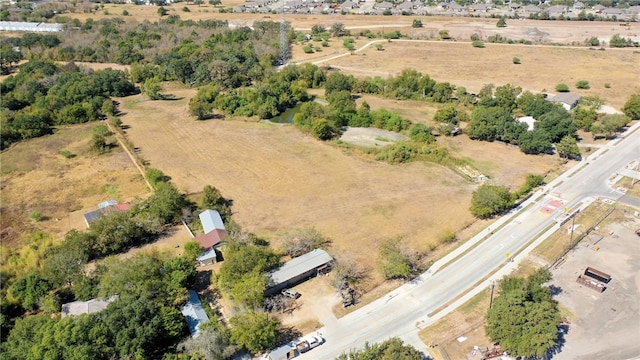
<point x="404" y="311"/>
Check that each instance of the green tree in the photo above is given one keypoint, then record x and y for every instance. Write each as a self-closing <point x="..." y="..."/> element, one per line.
<point x="568" y="148"/>
<point x="212" y="199"/>
<point x="592" y="41"/>
<point x="396" y="260"/>
<point x="421" y="133"/>
<point x="29" y="290"/>
<point x="524" y="318"/>
<point x="583" y="84"/>
<point x="584" y="118"/>
<point x="192" y="249"/>
<point x="632" y="107"/>
<point x="416" y="23"/>
<point x="152" y="88"/>
<point x="215" y="2"/>
<point x="339" y="30"/>
<point x="489" y="200"/>
<point x="162" y="11"/>
<point x="502" y="22"/>
<point x="213" y="344"/>
<point x="534" y="142"/>
<point x="442" y="92"/>
<point x="254" y="331"/>
<point x="562" y="88"/>
<point x="300" y="241"/>
<point x="390" y="349"/>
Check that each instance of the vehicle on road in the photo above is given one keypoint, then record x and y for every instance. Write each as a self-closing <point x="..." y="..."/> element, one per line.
<point x="307" y="344"/>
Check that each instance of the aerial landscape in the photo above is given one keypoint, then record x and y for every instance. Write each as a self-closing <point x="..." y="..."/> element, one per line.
<point x="280" y="179"/>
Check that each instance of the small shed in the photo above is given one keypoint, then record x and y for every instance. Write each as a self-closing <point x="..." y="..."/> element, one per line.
<point x="194" y="314"/>
<point x="211" y="220"/>
<point x="298" y="270"/>
<point x="208" y="257"/>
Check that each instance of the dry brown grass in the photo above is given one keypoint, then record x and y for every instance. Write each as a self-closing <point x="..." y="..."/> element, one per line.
<point x="280" y="179"/>
<point x="467" y="321"/>
<point x="542" y="68"/>
<point x="35" y="177"/>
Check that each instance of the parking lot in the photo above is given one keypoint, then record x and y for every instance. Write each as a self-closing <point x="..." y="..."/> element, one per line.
<point x="603" y="325"/>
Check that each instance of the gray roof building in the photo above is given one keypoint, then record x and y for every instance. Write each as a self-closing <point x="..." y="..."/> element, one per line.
<point x="86" y="307"/>
<point x="297" y="270"/>
<point x="567" y="100"/>
<point x="194" y="314"/>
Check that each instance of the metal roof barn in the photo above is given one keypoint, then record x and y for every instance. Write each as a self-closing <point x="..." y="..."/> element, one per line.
<point x="298" y="269"/>
<point x="211" y="220"/>
<point x="29" y="26"/>
<point x="194" y="314"/>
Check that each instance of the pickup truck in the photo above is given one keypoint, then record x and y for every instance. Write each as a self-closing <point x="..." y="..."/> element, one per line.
<point x="305" y="345"/>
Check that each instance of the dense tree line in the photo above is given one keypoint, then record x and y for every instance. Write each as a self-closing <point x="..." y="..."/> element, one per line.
<point x="144" y="322"/>
<point x="524" y="318"/>
<point x="42" y="95"/>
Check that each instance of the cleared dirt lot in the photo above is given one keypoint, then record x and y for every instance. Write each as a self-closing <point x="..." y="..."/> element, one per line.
<point x="603" y="325"/>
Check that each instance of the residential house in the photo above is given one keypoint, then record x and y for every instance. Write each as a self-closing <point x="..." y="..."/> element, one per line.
<point x="531" y="9"/>
<point x="194" y="314"/>
<point x="611" y="11"/>
<point x="406" y="6"/>
<point x="514" y="6"/>
<point x="298" y="270"/>
<point x="105" y="208"/>
<point x="385" y="5"/>
<point x="567" y="100"/>
<point x="348" y="5"/>
<point x="556" y="10"/>
<point x="214" y="232"/>
<point x="578" y="6"/>
<point x="479" y="8"/>
<point x="598" y="8"/>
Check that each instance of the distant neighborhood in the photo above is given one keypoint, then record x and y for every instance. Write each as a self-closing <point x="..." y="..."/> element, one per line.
<point x="543" y="10"/>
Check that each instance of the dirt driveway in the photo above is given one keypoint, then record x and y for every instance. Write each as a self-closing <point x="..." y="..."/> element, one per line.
<point x="603" y="325"/>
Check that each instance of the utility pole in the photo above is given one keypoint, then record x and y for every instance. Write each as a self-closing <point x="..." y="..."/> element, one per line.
<point x="573" y="221"/>
<point x="493" y="285"/>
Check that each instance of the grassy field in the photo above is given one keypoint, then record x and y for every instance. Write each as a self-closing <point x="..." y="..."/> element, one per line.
<point x="37" y="178"/>
<point x="542" y="68"/>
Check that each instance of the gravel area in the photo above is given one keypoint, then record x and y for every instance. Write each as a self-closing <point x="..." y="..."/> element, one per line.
<point x="603" y="325"/>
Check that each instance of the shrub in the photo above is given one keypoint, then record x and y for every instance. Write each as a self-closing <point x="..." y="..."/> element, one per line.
<point x="416" y="23"/>
<point x="562" y="88"/>
<point x="307" y="49"/>
<point x="125" y="12"/>
<point x="67" y="154"/>
<point x="475" y="37"/>
<point x="35" y="215"/>
<point x="444" y="35"/>
<point x="379" y="47"/>
<point x="607" y="86"/>
<point x="583" y="84"/>
<point x="516" y="60"/>
<point x="478" y="44"/>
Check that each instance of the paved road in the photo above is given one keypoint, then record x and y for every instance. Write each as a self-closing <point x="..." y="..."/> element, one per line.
<point x="405" y="310"/>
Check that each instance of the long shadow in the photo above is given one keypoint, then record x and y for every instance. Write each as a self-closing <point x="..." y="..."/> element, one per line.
<point x="563" y="330"/>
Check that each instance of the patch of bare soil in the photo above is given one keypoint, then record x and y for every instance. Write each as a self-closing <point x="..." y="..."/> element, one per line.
<point x="371" y="137"/>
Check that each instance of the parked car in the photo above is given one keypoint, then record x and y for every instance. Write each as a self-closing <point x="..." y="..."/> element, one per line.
<point x="291" y="293"/>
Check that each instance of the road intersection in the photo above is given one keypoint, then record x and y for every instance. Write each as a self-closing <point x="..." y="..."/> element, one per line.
<point x="472" y="267"/>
